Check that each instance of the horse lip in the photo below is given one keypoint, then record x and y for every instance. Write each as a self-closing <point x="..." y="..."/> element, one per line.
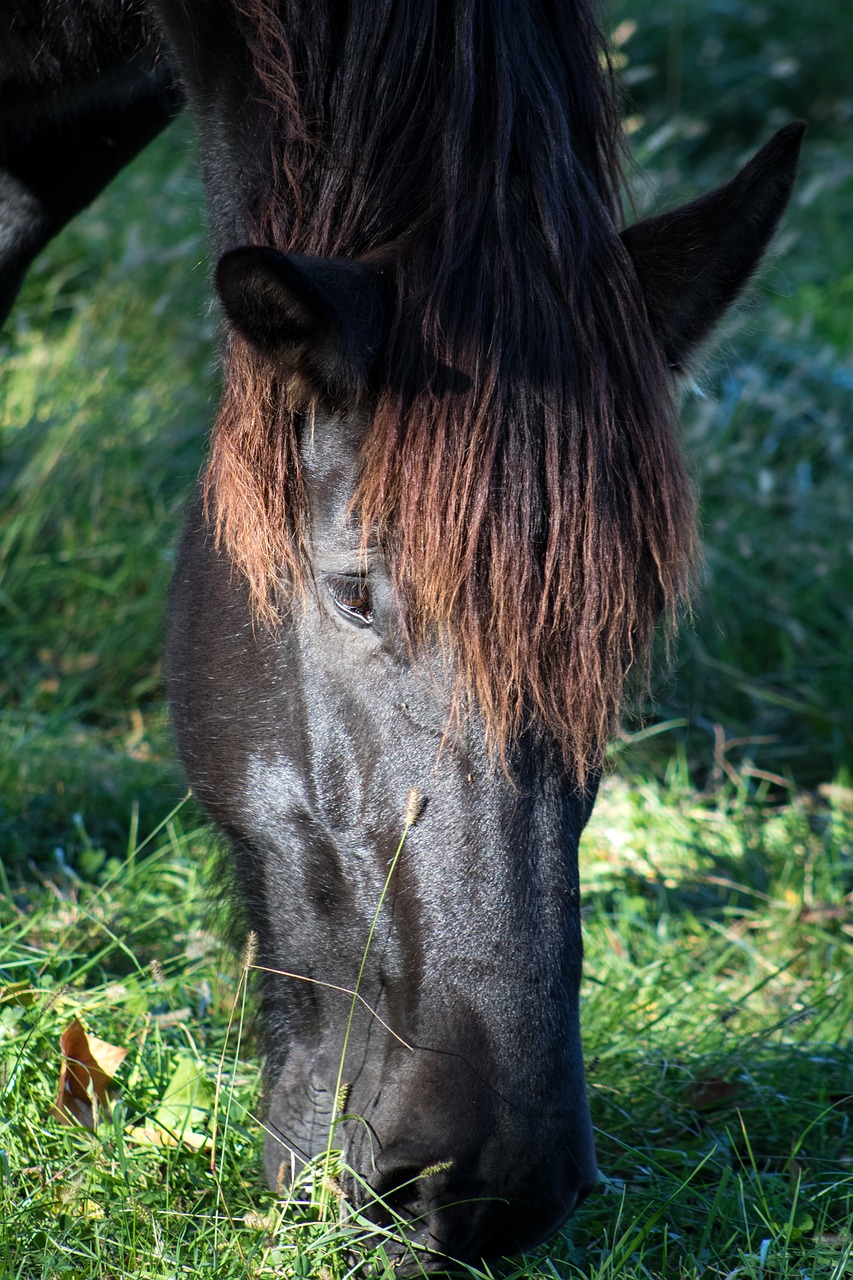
<point x="430" y="1244"/>
<point x="421" y="1249"/>
<point x="419" y="1255"/>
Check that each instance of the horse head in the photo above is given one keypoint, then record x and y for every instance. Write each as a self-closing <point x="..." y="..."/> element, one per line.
<point x="465" y="1109"/>
<point x="462" y="1063"/>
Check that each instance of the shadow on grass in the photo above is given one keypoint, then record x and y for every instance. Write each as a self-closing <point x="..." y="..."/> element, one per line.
<point x="73" y="797"/>
<point x="753" y="1143"/>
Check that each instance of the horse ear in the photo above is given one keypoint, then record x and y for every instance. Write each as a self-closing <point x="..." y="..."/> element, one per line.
<point x="321" y="319"/>
<point x="693" y="262"/>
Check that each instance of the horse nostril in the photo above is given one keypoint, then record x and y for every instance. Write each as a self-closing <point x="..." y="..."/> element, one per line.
<point x="399" y="1193"/>
<point x="401" y="1200"/>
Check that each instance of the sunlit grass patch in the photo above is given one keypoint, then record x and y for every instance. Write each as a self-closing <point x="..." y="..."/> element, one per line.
<point x="168" y="1180"/>
<point x="717" y="1025"/>
<point x="128" y="956"/>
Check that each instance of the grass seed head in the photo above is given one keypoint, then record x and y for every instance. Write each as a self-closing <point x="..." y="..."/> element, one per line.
<point x="412" y="810"/>
<point x="250" y="950"/>
<point x="342" y="1100"/>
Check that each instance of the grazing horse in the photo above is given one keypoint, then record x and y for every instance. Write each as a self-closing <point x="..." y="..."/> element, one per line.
<point x="443" y="512"/>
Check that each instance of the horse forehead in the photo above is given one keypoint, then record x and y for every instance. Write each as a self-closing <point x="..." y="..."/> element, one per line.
<point x="330" y="449"/>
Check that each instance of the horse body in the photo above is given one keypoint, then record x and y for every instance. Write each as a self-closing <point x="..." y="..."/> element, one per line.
<point x="444" y="509"/>
<point x="83" y="89"/>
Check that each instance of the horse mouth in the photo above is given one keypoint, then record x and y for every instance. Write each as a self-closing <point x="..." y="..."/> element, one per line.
<point x="444" y="1235"/>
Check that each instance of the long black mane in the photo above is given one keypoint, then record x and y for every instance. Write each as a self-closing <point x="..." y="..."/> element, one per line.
<point x="520" y="468"/>
<point x="383" y="117"/>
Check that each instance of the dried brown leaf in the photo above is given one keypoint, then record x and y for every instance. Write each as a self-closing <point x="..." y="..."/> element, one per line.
<point x="706" y="1094"/>
<point x="88" y="1066"/>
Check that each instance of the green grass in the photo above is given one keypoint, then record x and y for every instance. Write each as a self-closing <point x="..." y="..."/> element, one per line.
<point x="718" y="1015"/>
<point x="718" y="869"/>
<point x="105" y="399"/>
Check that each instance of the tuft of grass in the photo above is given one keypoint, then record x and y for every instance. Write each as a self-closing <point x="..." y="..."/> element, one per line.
<point x="718" y="1031"/>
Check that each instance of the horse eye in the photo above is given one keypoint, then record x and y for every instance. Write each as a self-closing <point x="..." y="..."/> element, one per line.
<point x="351" y="595"/>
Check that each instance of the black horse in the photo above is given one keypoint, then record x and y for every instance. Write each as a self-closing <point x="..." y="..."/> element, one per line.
<point x="444" y="510"/>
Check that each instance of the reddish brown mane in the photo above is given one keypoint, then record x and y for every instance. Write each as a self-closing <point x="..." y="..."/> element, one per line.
<point x="521" y="469"/>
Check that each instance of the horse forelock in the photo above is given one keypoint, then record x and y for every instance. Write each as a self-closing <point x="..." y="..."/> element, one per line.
<point x="520" y="470"/>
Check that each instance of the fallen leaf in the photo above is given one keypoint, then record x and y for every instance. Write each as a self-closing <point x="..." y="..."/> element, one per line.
<point x="184" y="1108"/>
<point x="88" y="1066"/>
<point x="820" y="912"/>
<point x="173" y="1018"/>
<point x="840" y="797"/>
<point x="76" y="663"/>
<point x="150" y="1135"/>
<point x="18" y="993"/>
<point x="68" y="1199"/>
<point x="705" y="1094"/>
